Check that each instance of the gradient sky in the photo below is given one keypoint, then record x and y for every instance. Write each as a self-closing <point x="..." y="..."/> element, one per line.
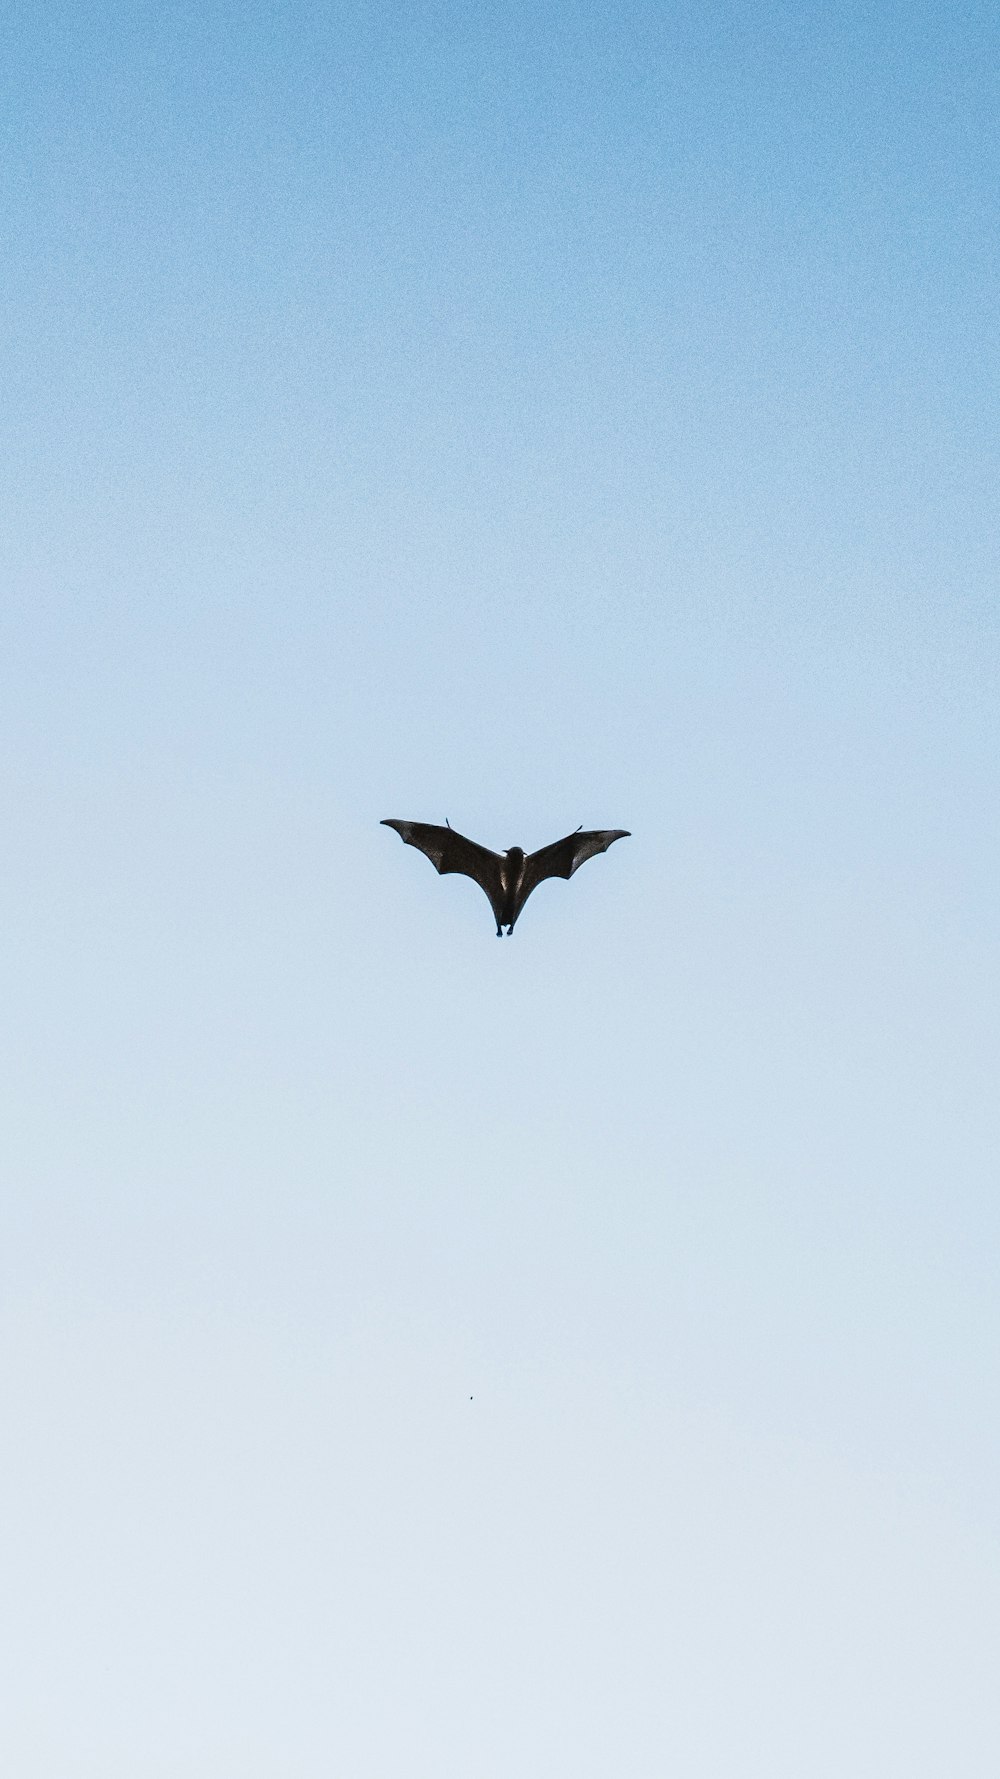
<point x="575" y="1356"/>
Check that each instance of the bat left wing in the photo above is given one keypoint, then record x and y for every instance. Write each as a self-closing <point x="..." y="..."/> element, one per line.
<point x="450" y="852"/>
<point x="564" y="857"/>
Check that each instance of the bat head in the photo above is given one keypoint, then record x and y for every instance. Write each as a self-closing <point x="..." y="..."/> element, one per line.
<point x="515" y="854"/>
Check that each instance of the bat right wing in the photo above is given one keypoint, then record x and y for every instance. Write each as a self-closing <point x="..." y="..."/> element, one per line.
<point x="450" y="852"/>
<point x="564" y="857"/>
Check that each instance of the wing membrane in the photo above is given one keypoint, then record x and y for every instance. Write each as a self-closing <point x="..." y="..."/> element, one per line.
<point x="564" y="857"/>
<point x="451" y="853"/>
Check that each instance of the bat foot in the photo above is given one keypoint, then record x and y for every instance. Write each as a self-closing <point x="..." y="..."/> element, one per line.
<point x="499" y="932"/>
<point x="509" y="931"/>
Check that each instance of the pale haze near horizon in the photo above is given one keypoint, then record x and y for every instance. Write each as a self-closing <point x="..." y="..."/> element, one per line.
<point x="574" y="1355"/>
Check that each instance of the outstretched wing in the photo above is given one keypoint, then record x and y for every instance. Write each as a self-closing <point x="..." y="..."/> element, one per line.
<point x="564" y="857"/>
<point x="451" y="852"/>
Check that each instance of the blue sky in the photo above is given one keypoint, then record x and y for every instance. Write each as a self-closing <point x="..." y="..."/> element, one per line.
<point x="421" y="1355"/>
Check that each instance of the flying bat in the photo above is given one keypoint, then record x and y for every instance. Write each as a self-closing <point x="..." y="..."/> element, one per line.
<point x="508" y="878"/>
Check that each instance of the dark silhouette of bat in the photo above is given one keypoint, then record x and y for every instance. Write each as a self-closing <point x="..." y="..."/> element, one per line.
<point x="509" y="877"/>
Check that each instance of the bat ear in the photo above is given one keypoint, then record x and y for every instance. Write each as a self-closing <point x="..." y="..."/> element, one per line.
<point x="447" y="822"/>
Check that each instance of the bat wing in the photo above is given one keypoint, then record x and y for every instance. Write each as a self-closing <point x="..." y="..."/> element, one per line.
<point x="564" y="857"/>
<point x="450" y="852"/>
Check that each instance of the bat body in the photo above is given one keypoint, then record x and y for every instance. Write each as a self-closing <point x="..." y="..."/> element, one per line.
<point x="507" y="878"/>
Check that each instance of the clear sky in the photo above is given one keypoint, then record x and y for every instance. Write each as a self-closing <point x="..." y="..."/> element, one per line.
<point x="425" y="1356"/>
